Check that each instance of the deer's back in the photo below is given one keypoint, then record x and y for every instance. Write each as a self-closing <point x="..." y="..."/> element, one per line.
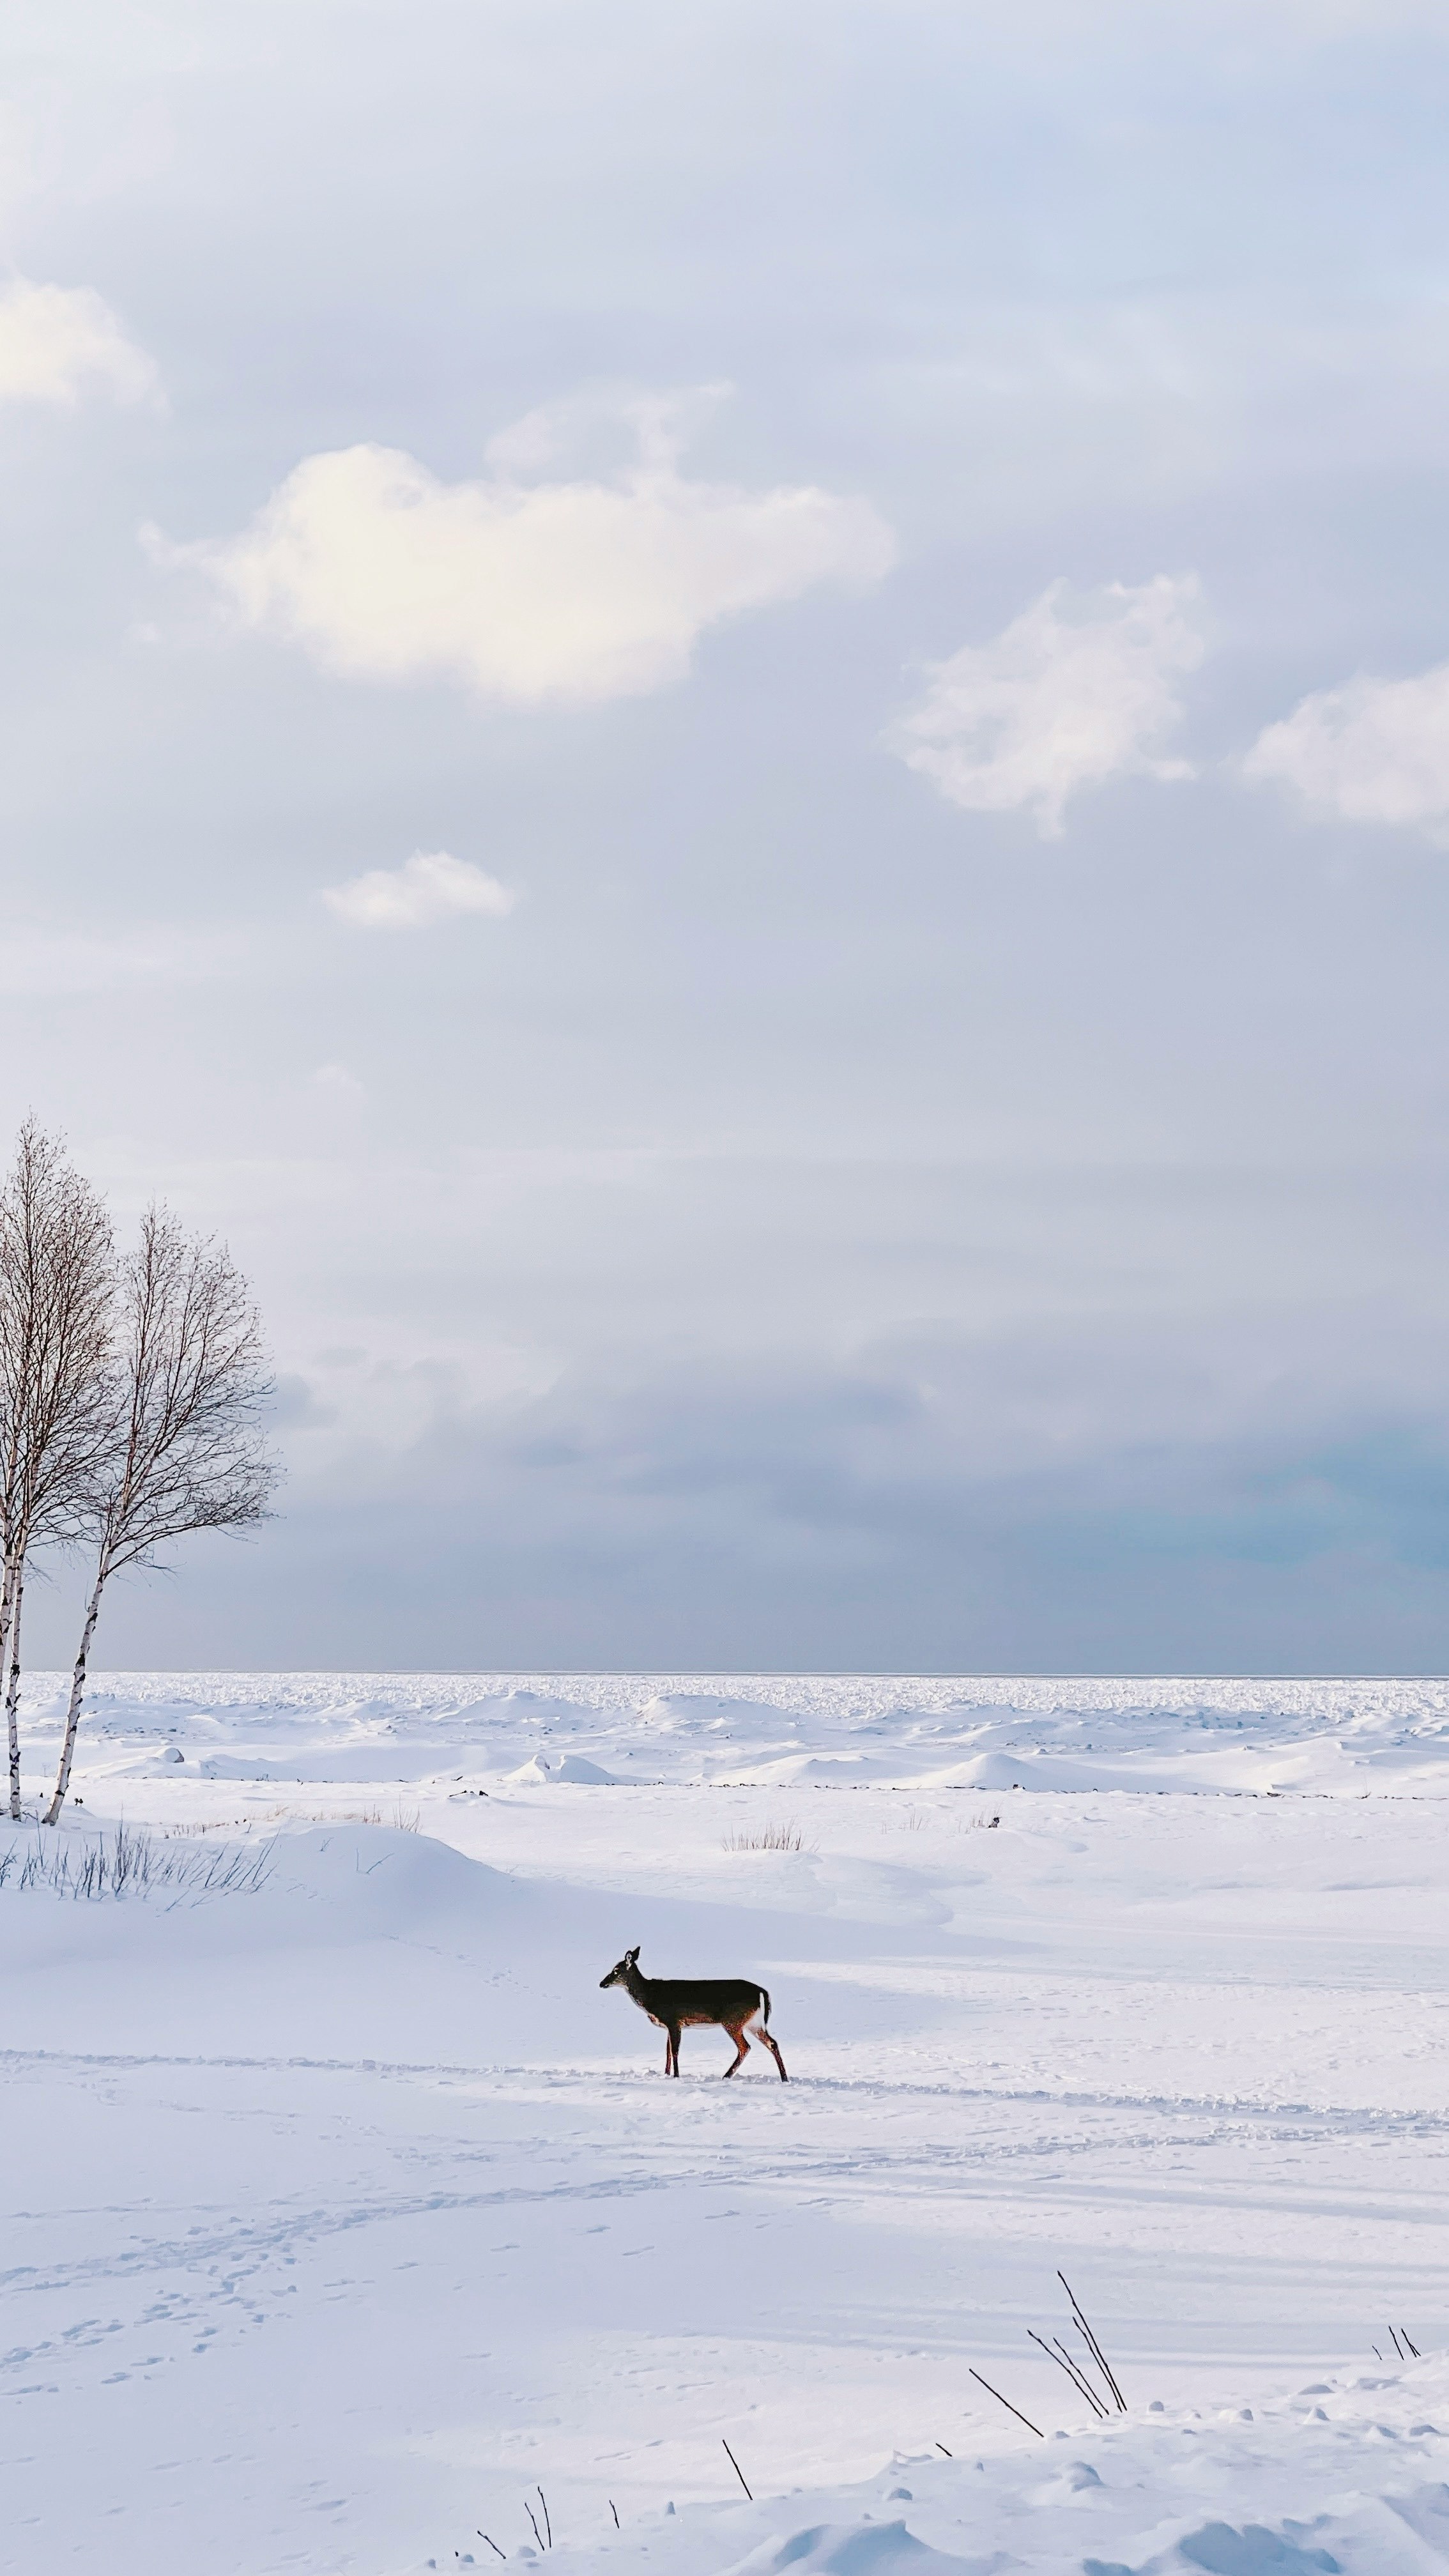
<point x="686" y="1999"/>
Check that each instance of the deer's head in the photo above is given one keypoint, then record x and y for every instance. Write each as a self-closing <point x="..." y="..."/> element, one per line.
<point x="620" y="1976"/>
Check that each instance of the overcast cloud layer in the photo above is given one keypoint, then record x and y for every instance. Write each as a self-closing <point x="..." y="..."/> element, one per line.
<point x="731" y="727"/>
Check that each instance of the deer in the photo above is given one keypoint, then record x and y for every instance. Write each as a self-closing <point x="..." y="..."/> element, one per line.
<point x="687" y="2003"/>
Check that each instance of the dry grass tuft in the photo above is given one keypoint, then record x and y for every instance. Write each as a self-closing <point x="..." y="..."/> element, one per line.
<point x="768" y="1838"/>
<point x="135" y="1864"/>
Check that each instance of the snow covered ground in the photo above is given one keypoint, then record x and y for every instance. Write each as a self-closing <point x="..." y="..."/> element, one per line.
<point x="345" y="2213"/>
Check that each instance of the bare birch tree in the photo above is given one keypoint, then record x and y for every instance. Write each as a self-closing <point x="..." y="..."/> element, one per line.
<point x="187" y="1448"/>
<point x="57" y="1279"/>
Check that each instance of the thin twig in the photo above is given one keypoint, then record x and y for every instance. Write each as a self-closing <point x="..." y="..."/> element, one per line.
<point x="734" y="2464"/>
<point x="1074" y="2365"/>
<point x="548" y="2526"/>
<point x="493" y="2545"/>
<point x="1394" y="2340"/>
<point x="1100" y="2358"/>
<point x="528" y="2509"/>
<point x="1073" y="2374"/>
<point x="1011" y="2410"/>
<point x="1105" y="2365"/>
<point x="1413" y="2347"/>
<point x="942" y="2447"/>
<point x="1091" y="2356"/>
<point x="614" y="2510"/>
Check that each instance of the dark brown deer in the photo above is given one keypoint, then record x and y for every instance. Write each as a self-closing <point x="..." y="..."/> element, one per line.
<point x="686" y="2003"/>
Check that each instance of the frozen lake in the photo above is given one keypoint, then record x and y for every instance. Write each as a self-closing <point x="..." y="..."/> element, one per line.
<point x="345" y="2211"/>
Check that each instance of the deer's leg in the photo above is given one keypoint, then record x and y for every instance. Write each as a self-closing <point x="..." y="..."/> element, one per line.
<point x="673" y="2049"/>
<point x="737" y="2034"/>
<point x="766" y="2041"/>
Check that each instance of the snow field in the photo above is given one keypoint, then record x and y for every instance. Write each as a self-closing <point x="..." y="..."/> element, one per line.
<point x="346" y="2213"/>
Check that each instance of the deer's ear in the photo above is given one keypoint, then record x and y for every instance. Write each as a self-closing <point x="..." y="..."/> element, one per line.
<point x="632" y="1955"/>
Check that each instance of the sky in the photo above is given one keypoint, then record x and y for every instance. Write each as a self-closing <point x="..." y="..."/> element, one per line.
<point x="730" y="727"/>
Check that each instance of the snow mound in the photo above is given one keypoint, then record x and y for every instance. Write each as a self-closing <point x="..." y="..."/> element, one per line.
<point x="349" y="1941"/>
<point x="330" y="1884"/>
<point x="573" y="1769"/>
<point x="1253" y="2551"/>
<point x="1350" y="2486"/>
<point x="693" y="1711"/>
<point x="816" y="1771"/>
<point x="887" y="2549"/>
<point x="371" y="1879"/>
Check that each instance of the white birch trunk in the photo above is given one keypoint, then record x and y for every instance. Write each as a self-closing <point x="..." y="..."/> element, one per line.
<point x="7" y="1600"/>
<point x="12" y="1696"/>
<point x="77" y="1691"/>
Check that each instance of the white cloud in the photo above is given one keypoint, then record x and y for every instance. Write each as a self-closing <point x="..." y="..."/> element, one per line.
<point x="430" y="886"/>
<point x="1077" y="690"/>
<point x="1373" y="751"/>
<point x="335" y="1083"/>
<point x="527" y="590"/>
<point x="58" y="343"/>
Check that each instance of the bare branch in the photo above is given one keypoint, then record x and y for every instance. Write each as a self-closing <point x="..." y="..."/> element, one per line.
<point x="185" y="1447"/>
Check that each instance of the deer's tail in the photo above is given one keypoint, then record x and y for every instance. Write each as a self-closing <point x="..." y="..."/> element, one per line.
<point x="765" y="1999"/>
